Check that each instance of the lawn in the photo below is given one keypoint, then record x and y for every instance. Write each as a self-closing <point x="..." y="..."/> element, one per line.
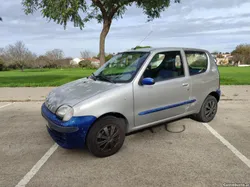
<point x="40" y="78"/>
<point x="234" y="75"/>
<point x="56" y="77"/>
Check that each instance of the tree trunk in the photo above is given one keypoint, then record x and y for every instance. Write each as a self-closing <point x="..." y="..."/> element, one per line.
<point x="105" y="30"/>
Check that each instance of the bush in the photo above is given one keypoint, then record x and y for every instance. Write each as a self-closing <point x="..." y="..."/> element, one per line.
<point x="3" y="66"/>
<point x="242" y="54"/>
<point x="86" y="64"/>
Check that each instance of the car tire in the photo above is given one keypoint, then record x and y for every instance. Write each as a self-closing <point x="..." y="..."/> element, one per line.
<point x="208" y="110"/>
<point x="106" y="136"/>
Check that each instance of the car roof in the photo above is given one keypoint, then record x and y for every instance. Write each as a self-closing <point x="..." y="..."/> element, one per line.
<point x="165" y="49"/>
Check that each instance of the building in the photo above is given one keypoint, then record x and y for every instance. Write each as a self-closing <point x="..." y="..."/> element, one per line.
<point x="224" y="59"/>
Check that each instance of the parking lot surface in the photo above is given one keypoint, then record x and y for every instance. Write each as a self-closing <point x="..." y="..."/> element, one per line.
<point x="195" y="157"/>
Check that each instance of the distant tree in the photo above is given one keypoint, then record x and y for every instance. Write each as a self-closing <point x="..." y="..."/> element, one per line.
<point x="220" y="55"/>
<point x="54" y="56"/>
<point x="65" y="62"/>
<point x="86" y="54"/>
<point x="41" y="61"/>
<point x="108" y="56"/>
<point x="104" y="11"/>
<point x="18" y="55"/>
<point x="215" y="53"/>
<point x="3" y="59"/>
<point x="1" y="50"/>
<point x="141" y="47"/>
<point x="2" y="64"/>
<point x="242" y="54"/>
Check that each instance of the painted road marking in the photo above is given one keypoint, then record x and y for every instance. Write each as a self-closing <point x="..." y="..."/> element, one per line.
<point x="242" y="157"/>
<point x="25" y="180"/>
<point x="6" y="105"/>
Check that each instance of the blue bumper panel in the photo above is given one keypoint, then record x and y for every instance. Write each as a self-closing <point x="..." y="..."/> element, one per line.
<point x="218" y="92"/>
<point x="68" y="134"/>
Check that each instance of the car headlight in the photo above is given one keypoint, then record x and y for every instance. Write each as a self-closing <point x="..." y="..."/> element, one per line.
<point x="65" y="112"/>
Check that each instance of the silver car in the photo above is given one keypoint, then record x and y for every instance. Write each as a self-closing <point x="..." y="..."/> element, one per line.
<point x="134" y="90"/>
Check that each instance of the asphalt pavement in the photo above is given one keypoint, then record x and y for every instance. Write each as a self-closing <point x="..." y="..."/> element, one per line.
<point x="198" y="156"/>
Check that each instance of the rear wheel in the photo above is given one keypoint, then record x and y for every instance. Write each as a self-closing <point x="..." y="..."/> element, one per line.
<point x="208" y="110"/>
<point x="106" y="136"/>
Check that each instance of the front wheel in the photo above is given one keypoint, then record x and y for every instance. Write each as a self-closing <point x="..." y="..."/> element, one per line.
<point x="208" y="110"/>
<point x="106" y="136"/>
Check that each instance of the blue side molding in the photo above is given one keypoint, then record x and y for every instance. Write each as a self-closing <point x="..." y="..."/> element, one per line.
<point x="166" y="107"/>
<point x="68" y="134"/>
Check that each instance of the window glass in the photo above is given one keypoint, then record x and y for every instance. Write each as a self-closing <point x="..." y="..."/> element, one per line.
<point x="165" y="65"/>
<point x="121" y="68"/>
<point x="197" y="62"/>
<point x="157" y="60"/>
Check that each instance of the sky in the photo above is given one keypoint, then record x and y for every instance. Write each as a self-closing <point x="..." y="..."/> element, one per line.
<point x="215" y="25"/>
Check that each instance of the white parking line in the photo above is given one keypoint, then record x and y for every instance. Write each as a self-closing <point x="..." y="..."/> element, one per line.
<point x="37" y="166"/>
<point x="242" y="157"/>
<point x="6" y="105"/>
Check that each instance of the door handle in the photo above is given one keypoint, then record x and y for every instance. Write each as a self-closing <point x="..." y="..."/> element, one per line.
<point x="185" y="84"/>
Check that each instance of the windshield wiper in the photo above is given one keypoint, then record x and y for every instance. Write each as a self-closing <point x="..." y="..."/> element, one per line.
<point x="93" y="76"/>
<point x="104" y="78"/>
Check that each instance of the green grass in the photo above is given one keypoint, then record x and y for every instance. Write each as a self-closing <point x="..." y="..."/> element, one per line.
<point x="40" y="78"/>
<point x="56" y="77"/>
<point x="234" y="75"/>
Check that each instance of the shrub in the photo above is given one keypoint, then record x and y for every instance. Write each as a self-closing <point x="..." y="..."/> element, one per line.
<point x="86" y="64"/>
<point x="3" y="66"/>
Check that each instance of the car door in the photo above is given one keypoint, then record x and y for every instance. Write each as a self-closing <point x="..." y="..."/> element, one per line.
<point x="201" y="77"/>
<point x="169" y="96"/>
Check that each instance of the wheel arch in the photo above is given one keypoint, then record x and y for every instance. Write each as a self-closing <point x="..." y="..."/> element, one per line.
<point x="117" y="115"/>
<point x="216" y="94"/>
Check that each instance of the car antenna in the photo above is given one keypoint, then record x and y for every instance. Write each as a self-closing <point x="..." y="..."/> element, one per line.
<point x="150" y="32"/>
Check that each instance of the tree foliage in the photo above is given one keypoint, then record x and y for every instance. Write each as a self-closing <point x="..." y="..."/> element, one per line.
<point x="86" y="64"/>
<point x="242" y="54"/>
<point x="53" y="57"/>
<point x="108" y="56"/>
<point x="80" y="12"/>
<point x="141" y="47"/>
<point x="55" y="54"/>
<point x="2" y="64"/>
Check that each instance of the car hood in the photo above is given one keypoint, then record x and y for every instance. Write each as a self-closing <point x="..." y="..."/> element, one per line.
<point x="75" y="92"/>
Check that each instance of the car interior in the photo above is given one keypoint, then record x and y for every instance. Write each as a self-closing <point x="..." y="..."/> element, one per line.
<point x="170" y="67"/>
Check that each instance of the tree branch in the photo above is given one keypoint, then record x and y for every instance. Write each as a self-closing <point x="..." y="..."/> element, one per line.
<point x="101" y="6"/>
<point x="113" y="11"/>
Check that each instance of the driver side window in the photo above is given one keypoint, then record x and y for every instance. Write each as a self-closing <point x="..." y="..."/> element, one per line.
<point x="164" y="66"/>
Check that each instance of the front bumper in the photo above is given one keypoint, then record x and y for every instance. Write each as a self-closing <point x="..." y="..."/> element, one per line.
<point x="68" y="134"/>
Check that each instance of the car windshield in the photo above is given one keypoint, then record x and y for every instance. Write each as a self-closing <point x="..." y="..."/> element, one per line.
<point x="121" y="68"/>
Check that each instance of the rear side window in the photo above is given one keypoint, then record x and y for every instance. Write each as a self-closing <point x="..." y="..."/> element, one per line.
<point x="197" y="62"/>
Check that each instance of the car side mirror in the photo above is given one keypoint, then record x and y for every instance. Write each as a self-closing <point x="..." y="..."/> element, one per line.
<point x="148" y="81"/>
